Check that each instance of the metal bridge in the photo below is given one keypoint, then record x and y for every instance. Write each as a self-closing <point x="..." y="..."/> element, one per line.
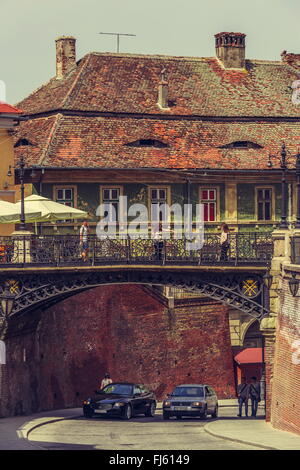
<point x="43" y="270"/>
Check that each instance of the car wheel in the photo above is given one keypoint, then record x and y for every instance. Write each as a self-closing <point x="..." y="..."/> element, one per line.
<point x="204" y="414"/>
<point x="179" y="417"/>
<point x="127" y="412"/>
<point x="151" y="410"/>
<point x="88" y="412"/>
<point x="166" y="416"/>
<point x="215" y="413"/>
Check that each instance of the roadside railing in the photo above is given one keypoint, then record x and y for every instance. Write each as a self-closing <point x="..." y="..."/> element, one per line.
<point x="65" y="250"/>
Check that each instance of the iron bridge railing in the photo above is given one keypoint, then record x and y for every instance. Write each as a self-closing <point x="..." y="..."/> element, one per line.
<point x="64" y="250"/>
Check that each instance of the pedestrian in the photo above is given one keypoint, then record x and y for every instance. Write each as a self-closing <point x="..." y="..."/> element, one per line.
<point x="254" y="391"/>
<point x="243" y="396"/>
<point x="84" y="243"/>
<point x="106" y="381"/>
<point x="224" y="242"/>
<point x="158" y="242"/>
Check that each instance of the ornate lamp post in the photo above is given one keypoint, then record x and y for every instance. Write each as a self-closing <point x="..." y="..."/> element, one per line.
<point x="21" y="167"/>
<point x="284" y="199"/>
<point x="7" y="300"/>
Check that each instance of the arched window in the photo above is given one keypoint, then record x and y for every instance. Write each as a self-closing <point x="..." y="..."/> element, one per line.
<point x="241" y="144"/>
<point x="147" y="143"/>
<point x="2" y="353"/>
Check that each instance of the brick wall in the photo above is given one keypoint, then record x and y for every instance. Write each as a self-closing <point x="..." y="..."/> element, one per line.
<point x="285" y="408"/>
<point x="125" y="331"/>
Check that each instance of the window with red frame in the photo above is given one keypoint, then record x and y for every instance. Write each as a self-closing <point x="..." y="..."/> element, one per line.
<point x="208" y="197"/>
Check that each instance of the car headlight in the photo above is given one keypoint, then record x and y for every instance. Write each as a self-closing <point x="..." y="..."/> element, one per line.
<point x="118" y="404"/>
<point x="86" y="402"/>
<point x="167" y="403"/>
<point x="197" y="403"/>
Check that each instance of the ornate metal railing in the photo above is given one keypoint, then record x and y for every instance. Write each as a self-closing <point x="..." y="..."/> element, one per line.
<point x="64" y="250"/>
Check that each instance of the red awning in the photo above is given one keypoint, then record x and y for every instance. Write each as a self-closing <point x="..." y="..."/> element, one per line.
<point x="249" y="356"/>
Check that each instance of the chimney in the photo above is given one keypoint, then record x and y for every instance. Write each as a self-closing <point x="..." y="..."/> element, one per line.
<point x="230" y="49"/>
<point x="291" y="59"/>
<point x="65" y="55"/>
<point x="163" y="91"/>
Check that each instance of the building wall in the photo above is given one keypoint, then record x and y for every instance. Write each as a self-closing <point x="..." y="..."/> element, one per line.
<point x="7" y="192"/>
<point x="61" y="361"/>
<point x="285" y="408"/>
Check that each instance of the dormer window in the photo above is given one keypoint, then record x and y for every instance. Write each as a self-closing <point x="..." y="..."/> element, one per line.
<point x="241" y="144"/>
<point x="147" y="143"/>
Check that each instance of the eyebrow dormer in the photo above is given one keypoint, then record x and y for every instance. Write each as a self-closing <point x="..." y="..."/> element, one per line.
<point x="147" y="143"/>
<point x="241" y="144"/>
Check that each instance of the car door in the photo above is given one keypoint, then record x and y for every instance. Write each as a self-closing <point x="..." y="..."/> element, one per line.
<point x="137" y="401"/>
<point x="214" y="399"/>
<point x="208" y="400"/>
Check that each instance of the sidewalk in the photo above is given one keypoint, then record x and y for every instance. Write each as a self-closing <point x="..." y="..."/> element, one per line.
<point x="254" y="432"/>
<point x="14" y="431"/>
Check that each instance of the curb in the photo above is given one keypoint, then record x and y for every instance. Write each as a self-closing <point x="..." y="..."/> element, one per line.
<point x="240" y="441"/>
<point x="24" y="431"/>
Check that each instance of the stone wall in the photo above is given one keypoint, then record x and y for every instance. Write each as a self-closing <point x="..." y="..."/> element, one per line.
<point x="123" y="330"/>
<point x="285" y="408"/>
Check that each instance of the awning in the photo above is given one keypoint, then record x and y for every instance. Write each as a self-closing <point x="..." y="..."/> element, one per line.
<point x="249" y="356"/>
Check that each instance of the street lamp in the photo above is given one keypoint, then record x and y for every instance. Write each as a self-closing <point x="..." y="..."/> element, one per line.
<point x="7" y="300"/>
<point x="268" y="279"/>
<point x="294" y="285"/>
<point x="21" y="167"/>
<point x="284" y="198"/>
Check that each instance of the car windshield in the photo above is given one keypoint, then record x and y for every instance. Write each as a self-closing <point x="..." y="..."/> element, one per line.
<point x="118" y="389"/>
<point x="188" y="392"/>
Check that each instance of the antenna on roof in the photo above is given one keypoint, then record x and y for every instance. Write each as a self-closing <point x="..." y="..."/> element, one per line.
<point x="118" y="38"/>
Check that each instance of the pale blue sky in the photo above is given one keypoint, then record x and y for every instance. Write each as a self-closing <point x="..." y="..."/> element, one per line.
<point x="174" y="27"/>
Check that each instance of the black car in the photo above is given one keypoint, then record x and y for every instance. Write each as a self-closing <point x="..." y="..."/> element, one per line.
<point x="121" y="399"/>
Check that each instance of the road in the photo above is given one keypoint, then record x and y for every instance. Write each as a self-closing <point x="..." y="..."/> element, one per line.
<point x="139" y="433"/>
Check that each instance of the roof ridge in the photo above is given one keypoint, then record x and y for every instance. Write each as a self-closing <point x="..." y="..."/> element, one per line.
<point x="72" y="87"/>
<point x="167" y="56"/>
<point x="49" y="139"/>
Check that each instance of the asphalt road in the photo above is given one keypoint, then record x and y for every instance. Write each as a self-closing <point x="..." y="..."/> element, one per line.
<point x="140" y="433"/>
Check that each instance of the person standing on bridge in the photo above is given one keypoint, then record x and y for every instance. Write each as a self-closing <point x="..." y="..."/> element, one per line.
<point x="224" y="241"/>
<point x="84" y="243"/>
<point x="243" y="396"/>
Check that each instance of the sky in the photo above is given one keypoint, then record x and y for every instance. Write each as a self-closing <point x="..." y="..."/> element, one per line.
<point x="172" y="27"/>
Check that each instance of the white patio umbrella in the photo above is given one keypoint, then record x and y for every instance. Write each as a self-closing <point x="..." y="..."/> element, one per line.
<point x="10" y="214"/>
<point x="50" y="210"/>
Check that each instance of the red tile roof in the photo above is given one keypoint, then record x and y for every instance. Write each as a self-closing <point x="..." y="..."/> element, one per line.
<point x="77" y="141"/>
<point x="109" y="100"/>
<point x="8" y="109"/>
<point x="198" y="86"/>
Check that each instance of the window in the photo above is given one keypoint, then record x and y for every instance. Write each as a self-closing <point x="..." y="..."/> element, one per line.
<point x="66" y="195"/>
<point x="111" y="197"/>
<point x="147" y="143"/>
<point x="208" y="197"/>
<point x="241" y="144"/>
<point x="264" y="203"/>
<point x="158" y="196"/>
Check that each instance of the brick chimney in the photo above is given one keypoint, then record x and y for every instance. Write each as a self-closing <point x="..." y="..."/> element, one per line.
<point x="230" y="49"/>
<point x="163" y="89"/>
<point x="291" y="59"/>
<point x="65" y="55"/>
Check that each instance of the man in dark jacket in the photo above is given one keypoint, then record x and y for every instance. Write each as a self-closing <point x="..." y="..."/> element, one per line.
<point x="254" y="392"/>
<point x="243" y="396"/>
